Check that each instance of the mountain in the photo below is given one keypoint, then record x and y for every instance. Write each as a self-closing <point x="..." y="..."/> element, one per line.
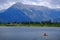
<point x="13" y="15"/>
<point x="24" y="13"/>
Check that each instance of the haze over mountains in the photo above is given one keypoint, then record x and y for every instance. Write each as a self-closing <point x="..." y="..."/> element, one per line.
<point x="24" y="13"/>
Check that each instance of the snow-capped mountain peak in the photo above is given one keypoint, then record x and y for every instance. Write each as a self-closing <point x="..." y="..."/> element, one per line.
<point x="21" y="13"/>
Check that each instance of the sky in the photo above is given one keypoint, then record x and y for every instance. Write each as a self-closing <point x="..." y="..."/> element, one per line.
<point x="4" y="4"/>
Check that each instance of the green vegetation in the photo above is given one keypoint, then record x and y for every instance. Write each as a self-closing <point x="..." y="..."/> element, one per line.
<point x="41" y="24"/>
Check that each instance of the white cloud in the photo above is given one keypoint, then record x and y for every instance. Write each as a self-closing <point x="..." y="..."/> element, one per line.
<point x="6" y="5"/>
<point x="48" y="3"/>
<point x="58" y="6"/>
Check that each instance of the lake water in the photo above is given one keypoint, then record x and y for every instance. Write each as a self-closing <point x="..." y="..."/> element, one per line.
<point x="29" y="33"/>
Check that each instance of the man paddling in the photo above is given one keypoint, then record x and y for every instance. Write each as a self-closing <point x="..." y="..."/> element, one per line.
<point x="45" y="34"/>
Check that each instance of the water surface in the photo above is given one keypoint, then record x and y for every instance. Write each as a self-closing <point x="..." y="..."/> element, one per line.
<point x="29" y="33"/>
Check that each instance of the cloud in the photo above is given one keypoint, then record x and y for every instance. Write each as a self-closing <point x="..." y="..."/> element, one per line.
<point x="6" y="5"/>
<point x="48" y="3"/>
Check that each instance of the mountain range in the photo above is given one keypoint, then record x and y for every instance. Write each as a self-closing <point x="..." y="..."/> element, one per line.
<point x="25" y="13"/>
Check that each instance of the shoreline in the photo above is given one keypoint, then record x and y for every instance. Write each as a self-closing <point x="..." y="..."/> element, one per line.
<point x="34" y="25"/>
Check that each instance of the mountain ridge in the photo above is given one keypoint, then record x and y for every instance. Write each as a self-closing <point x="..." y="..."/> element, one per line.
<point x="20" y="12"/>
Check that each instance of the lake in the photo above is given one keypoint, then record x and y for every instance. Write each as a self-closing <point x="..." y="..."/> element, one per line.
<point x="29" y="33"/>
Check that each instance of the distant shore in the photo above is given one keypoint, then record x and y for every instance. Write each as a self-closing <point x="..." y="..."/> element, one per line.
<point x="33" y="24"/>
